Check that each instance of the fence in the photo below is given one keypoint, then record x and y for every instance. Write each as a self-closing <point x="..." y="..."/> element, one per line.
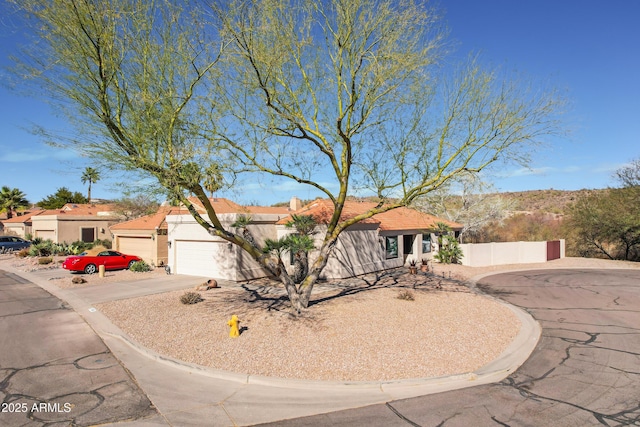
<point x="485" y="254"/>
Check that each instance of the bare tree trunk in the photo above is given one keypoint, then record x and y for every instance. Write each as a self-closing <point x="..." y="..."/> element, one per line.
<point x="299" y="295"/>
<point x="300" y="267"/>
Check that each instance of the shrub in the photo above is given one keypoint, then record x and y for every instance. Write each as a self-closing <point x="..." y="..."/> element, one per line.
<point x="191" y="298"/>
<point x="45" y="261"/>
<point x="140" y="267"/>
<point x="406" y="295"/>
<point x="79" y="246"/>
<point x="104" y="242"/>
<point x="23" y="253"/>
<point x="42" y="248"/>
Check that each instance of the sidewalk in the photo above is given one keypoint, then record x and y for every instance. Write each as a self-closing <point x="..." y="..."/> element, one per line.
<point x="187" y="394"/>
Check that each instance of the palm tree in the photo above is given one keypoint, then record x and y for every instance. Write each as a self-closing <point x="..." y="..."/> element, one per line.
<point x="300" y="243"/>
<point x="91" y="176"/>
<point x="242" y="222"/>
<point x="213" y="179"/>
<point x="12" y="199"/>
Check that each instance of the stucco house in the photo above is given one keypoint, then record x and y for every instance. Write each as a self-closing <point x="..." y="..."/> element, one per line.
<point x="384" y="241"/>
<point x="74" y="222"/>
<point x="193" y="251"/>
<point x="21" y="224"/>
<point x="387" y="240"/>
<point x="146" y="236"/>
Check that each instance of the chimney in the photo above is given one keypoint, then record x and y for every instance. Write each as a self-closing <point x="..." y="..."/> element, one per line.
<point x="295" y="204"/>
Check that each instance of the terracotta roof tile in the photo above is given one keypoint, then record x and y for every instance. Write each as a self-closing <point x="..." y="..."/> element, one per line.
<point x="22" y="218"/>
<point x="396" y="219"/>
<point x="283" y="210"/>
<point x="152" y="221"/>
<point x="221" y="206"/>
<point x="85" y="209"/>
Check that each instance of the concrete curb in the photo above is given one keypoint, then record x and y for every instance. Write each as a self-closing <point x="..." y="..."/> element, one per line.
<point x="511" y="359"/>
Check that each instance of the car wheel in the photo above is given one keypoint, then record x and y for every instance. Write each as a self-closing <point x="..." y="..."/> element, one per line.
<point x="131" y="263"/>
<point x="90" y="269"/>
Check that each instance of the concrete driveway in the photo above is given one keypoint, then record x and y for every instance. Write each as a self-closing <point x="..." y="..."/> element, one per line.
<point x="54" y="369"/>
<point x="585" y="370"/>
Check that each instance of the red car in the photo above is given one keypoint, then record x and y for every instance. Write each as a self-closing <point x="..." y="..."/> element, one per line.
<point x="112" y="260"/>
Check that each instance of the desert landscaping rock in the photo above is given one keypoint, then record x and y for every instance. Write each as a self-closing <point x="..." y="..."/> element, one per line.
<point x="370" y="335"/>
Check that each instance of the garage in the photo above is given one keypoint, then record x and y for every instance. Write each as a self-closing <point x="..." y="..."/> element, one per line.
<point x="202" y="258"/>
<point x="141" y="246"/>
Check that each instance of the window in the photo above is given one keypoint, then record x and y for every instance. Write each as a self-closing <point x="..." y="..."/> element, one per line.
<point x="391" y="246"/>
<point x="426" y="243"/>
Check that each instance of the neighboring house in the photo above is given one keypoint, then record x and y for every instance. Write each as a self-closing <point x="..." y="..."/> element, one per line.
<point x="385" y="241"/>
<point x="20" y="225"/>
<point x="75" y="222"/>
<point x="146" y="236"/>
<point x="193" y="251"/>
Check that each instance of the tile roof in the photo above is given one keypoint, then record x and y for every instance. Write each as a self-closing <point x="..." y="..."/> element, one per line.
<point x="152" y="221"/>
<point x="284" y="210"/>
<point x="77" y="209"/>
<point x="22" y="218"/>
<point x="221" y="206"/>
<point x="396" y="219"/>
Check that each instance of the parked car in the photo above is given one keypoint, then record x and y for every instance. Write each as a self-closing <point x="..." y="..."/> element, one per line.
<point x="112" y="260"/>
<point x="12" y="243"/>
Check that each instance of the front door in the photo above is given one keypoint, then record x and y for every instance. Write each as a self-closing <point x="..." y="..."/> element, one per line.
<point x="407" y="245"/>
<point x="88" y="234"/>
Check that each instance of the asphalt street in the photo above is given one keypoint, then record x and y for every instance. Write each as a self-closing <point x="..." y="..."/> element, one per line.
<point x="585" y="370"/>
<point x="54" y="369"/>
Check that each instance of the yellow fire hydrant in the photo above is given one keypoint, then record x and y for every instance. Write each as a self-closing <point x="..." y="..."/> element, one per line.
<point x="235" y="331"/>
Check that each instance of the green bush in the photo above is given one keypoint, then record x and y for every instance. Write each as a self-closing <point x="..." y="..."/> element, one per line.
<point x="79" y="246"/>
<point x="106" y="243"/>
<point x="43" y="248"/>
<point x="140" y="267"/>
<point x="45" y="261"/>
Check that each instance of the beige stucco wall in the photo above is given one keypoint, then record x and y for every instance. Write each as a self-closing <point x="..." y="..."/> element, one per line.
<point x="360" y="249"/>
<point x="19" y="230"/>
<point x="158" y="249"/>
<point x="485" y="254"/>
<point x="68" y="229"/>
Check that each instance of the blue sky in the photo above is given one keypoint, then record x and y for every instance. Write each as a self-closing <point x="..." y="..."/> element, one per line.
<point x="589" y="49"/>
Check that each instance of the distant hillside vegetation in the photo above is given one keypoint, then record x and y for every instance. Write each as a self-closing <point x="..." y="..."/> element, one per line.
<point x="545" y="201"/>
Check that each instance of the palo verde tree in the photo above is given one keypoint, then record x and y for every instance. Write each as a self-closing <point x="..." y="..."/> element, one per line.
<point x="340" y="95"/>
<point x="349" y="89"/>
<point x="467" y="200"/>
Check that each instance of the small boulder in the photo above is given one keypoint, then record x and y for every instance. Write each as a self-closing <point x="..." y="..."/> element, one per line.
<point x="78" y="280"/>
<point x="209" y="284"/>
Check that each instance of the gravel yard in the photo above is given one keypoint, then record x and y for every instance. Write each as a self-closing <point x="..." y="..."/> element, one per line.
<point x="366" y="336"/>
<point x="355" y="330"/>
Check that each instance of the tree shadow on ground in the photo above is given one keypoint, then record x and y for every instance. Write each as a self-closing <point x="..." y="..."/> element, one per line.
<point x="489" y="290"/>
<point x="270" y="295"/>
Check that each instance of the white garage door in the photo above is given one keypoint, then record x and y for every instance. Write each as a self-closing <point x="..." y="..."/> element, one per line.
<point x="196" y="258"/>
<point x="140" y="246"/>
